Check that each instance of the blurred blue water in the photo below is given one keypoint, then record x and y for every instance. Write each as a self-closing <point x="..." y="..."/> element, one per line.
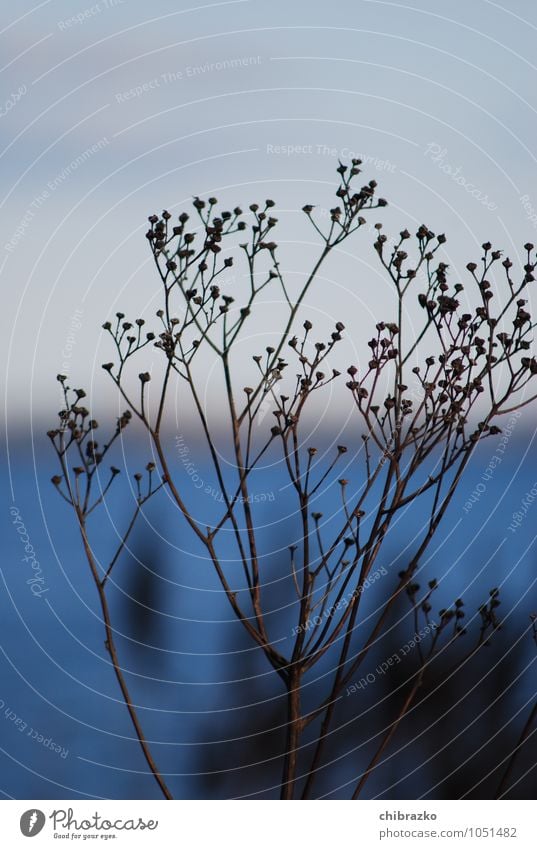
<point x="181" y="648"/>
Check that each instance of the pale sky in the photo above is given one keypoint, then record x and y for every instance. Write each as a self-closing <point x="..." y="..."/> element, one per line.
<point x="246" y="100"/>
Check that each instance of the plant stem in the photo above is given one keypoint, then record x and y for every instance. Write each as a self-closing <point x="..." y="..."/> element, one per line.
<point x="294" y="728"/>
<point x="388" y="736"/>
<point x="526" y="733"/>
<point x="112" y="651"/>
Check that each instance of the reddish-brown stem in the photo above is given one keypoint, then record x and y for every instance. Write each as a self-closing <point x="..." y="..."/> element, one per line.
<point x="503" y="787"/>
<point x="293" y="731"/>
<point x="389" y="735"/>
<point x="112" y="651"/>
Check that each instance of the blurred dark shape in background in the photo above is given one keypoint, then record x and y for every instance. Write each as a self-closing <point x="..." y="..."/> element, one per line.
<point x="453" y="744"/>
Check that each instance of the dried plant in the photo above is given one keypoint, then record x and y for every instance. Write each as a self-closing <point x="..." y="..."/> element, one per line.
<point x="423" y="401"/>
